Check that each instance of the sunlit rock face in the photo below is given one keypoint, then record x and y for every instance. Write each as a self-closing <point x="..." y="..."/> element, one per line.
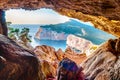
<point x="17" y="63"/>
<point x="50" y="58"/>
<point x="104" y="14"/>
<point x="78" y="43"/>
<point x="104" y="63"/>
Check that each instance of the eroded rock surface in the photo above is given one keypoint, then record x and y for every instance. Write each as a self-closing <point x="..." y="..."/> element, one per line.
<point x="50" y="58"/>
<point x="107" y="8"/>
<point x="16" y="63"/>
<point x="104" y="14"/>
<point x="104" y="63"/>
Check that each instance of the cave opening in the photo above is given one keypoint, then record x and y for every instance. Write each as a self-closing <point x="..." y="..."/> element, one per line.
<point x="43" y="61"/>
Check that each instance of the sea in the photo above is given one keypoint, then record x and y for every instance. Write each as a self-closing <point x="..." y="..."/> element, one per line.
<point x="74" y="27"/>
<point x="37" y="42"/>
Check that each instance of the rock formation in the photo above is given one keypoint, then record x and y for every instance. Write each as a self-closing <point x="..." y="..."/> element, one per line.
<point x="104" y="14"/>
<point x="50" y="58"/>
<point x="16" y="63"/>
<point x="3" y="26"/>
<point x="104" y="63"/>
<point x="48" y="34"/>
<point x="78" y="43"/>
<point x="37" y="35"/>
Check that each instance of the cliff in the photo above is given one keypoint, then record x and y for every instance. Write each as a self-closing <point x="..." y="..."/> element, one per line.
<point x="48" y="34"/>
<point x="78" y="43"/>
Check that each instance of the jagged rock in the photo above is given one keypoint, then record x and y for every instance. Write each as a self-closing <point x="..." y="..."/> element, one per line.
<point x="48" y="53"/>
<point x="104" y="14"/>
<point x="104" y="63"/>
<point x="17" y="63"/>
<point x="48" y="69"/>
<point x="45" y="52"/>
<point x="77" y="58"/>
<point x="50" y="58"/>
<point x="49" y="61"/>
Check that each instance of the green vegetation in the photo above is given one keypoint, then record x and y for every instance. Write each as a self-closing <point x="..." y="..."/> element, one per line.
<point x="22" y="35"/>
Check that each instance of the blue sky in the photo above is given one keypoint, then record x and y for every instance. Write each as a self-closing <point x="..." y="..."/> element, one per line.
<point x="41" y="16"/>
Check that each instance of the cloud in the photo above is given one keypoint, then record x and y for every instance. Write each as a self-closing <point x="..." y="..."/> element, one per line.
<point x="41" y="16"/>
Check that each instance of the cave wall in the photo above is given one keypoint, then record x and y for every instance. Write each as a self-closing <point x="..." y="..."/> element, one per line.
<point x="3" y="26"/>
<point x="104" y="14"/>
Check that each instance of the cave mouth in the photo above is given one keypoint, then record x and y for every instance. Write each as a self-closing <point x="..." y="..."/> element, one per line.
<point x="103" y="64"/>
<point x="47" y="27"/>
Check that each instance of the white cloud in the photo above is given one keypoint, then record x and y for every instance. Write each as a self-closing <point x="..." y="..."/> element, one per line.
<point x="41" y="16"/>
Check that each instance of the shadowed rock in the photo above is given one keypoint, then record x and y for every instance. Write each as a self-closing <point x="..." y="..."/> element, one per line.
<point x="3" y="26"/>
<point x="16" y="63"/>
<point x="104" y="63"/>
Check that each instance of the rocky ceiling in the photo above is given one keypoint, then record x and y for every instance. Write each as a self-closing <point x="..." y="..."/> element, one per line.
<point x="104" y="14"/>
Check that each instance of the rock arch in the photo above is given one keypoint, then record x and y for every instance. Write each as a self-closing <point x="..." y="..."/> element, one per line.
<point x="104" y="14"/>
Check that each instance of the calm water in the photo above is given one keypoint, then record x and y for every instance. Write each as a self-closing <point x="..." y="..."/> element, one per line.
<point x="71" y="27"/>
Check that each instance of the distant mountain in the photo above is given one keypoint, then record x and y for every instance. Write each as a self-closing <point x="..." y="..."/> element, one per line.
<point x="81" y="30"/>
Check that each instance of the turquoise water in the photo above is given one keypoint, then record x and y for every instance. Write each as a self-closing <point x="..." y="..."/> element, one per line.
<point x="35" y="42"/>
<point x="71" y="27"/>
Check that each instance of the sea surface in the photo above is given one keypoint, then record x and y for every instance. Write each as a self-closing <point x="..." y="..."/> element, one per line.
<point x="36" y="42"/>
<point x="71" y="27"/>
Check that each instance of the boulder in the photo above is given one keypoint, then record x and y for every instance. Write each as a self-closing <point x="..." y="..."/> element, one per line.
<point x="17" y="63"/>
<point x="104" y="63"/>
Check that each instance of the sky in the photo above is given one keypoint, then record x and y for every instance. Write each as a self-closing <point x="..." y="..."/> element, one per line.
<point x="40" y="16"/>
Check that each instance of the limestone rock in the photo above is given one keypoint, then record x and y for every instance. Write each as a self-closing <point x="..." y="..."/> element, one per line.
<point x="37" y="35"/>
<point x="50" y="58"/>
<point x="17" y="63"/>
<point x="104" y="63"/>
<point x="78" y="43"/>
<point x="48" y="53"/>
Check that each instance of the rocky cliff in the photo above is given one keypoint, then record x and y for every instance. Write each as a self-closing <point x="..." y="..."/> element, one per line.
<point x="48" y="34"/>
